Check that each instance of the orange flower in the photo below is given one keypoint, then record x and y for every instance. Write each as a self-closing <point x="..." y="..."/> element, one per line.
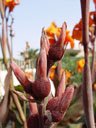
<point x="54" y="30"/>
<point x="29" y="75"/>
<point x="11" y="4"/>
<point x="94" y="2"/>
<point x="91" y="18"/>
<point x="77" y="30"/>
<point x="68" y="74"/>
<point x="80" y="65"/>
<point x="94" y="86"/>
<point x="69" y="38"/>
<point x="52" y="73"/>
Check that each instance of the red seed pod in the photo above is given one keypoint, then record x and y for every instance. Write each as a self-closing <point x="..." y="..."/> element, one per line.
<point x="66" y="99"/>
<point x="56" y="51"/>
<point x="58" y="106"/>
<point x="52" y="104"/>
<point x="40" y="88"/>
<point x="33" y="121"/>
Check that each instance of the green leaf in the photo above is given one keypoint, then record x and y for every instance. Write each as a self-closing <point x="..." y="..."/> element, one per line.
<point x="19" y="88"/>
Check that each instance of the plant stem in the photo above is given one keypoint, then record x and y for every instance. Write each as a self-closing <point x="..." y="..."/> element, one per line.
<point x="59" y="67"/>
<point x="41" y="115"/>
<point x="0" y="124"/>
<point x="7" y="40"/>
<point x="18" y="105"/>
<point x="93" y="62"/>
<point x="15" y="98"/>
<point x="3" y="45"/>
<point x="2" y="9"/>
<point x="24" y="102"/>
<point x="87" y="83"/>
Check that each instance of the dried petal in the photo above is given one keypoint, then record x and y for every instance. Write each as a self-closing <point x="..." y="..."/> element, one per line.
<point x="21" y="77"/>
<point x="20" y="95"/>
<point x="61" y="87"/>
<point x="44" y="42"/>
<point x="3" y="105"/>
<point x="42" y="65"/>
<point x="66" y="99"/>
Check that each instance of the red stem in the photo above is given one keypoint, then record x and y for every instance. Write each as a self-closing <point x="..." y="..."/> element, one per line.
<point x="41" y="116"/>
<point x="93" y="62"/>
<point x="7" y="40"/>
<point x="3" y="44"/>
<point x="87" y="83"/>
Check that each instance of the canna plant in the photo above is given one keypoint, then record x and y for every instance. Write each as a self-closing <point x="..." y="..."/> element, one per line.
<point x="87" y="81"/>
<point x="47" y="110"/>
<point x="77" y="34"/>
<point x="57" y="42"/>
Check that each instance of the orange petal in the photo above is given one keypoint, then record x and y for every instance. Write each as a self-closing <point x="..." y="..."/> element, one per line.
<point x="77" y="30"/>
<point x="53" y="29"/>
<point x="77" y="34"/>
<point x="91" y="18"/>
<point x="52" y="41"/>
<point x="70" y="40"/>
<point x="94" y="86"/>
<point x="51" y="75"/>
<point x="80" y="65"/>
<point x="11" y="4"/>
<point x="94" y="2"/>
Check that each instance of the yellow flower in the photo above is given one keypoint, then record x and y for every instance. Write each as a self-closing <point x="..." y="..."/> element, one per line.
<point x="11" y="4"/>
<point x="54" y="30"/>
<point x="80" y="65"/>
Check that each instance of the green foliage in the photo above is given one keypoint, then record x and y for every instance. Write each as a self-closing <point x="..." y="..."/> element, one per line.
<point x="69" y="63"/>
<point x="71" y="53"/>
<point x="19" y="88"/>
<point x="33" y="53"/>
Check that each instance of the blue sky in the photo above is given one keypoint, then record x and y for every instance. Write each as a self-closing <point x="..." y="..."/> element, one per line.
<point x="31" y="15"/>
